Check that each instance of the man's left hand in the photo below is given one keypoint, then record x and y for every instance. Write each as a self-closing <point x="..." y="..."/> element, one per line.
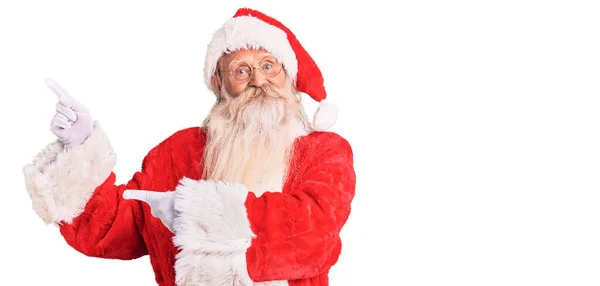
<point x="162" y="204"/>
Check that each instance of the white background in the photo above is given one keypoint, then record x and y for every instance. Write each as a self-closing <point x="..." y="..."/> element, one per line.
<point x="475" y="127"/>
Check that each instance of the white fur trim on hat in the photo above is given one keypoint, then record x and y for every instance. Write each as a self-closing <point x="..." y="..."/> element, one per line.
<point x="249" y="32"/>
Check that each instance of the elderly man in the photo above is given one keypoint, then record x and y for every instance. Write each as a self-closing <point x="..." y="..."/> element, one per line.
<point x="255" y="196"/>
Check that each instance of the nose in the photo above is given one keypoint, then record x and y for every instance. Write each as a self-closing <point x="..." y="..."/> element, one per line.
<point x="257" y="79"/>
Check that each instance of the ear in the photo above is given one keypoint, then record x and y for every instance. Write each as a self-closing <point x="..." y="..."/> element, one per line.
<point x="217" y="77"/>
<point x="215" y="82"/>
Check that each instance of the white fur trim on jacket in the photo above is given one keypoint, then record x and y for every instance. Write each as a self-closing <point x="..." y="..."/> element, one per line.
<point x="60" y="181"/>
<point x="249" y="32"/>
<point x="212" y="231"/>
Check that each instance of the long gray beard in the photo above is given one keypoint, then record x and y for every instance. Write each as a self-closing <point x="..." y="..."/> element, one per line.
<point x="249" y="140"/>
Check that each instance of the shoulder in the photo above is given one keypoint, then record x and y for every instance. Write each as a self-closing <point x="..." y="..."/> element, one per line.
<point x="326" y="139"/>
<point x="184" y="137"/>
<point x="177" y="145"/>
<point x="187" y="136"/>
<point x="324" y="142"/>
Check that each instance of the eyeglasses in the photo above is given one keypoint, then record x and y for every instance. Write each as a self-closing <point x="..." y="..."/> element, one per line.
<point x="242" y="71"/>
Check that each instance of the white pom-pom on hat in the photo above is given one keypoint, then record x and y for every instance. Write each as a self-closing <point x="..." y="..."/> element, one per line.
<point x="325" y="116"/>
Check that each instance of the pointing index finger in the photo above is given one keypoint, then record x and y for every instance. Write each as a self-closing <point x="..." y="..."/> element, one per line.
<point x="140" y="195"/>
<point x="56" y="88"/>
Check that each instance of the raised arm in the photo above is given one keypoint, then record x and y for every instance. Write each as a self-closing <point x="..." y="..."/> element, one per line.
<point x="75" y="189"/>
<point x="72" y="185"/>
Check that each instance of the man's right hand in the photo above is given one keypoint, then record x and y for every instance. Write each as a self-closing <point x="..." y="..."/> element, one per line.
<point x="72" y="123"/>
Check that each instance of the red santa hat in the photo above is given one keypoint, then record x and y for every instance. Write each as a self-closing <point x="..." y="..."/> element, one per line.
<point x="252" y="29"/>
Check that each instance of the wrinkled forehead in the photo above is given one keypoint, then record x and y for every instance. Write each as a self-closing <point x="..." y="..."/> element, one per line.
<point x="250" y="56"/>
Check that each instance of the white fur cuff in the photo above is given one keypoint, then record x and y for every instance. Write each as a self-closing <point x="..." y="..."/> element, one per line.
<point x="213" y="233"/>
<point x="60" y="181"/>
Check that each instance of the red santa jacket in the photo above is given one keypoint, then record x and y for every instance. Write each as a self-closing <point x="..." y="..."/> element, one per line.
<point x="287" y="237"/>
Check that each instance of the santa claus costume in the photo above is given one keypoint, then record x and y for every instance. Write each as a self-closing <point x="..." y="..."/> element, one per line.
<point x="287" y="235"/>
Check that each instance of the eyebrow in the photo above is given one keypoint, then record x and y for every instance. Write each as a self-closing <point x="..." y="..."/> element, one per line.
<point x="261" y="56"/>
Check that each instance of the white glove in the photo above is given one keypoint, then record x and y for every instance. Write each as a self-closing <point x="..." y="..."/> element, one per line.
<point x="162" y="204"/>
<point x="72" y="123"/>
